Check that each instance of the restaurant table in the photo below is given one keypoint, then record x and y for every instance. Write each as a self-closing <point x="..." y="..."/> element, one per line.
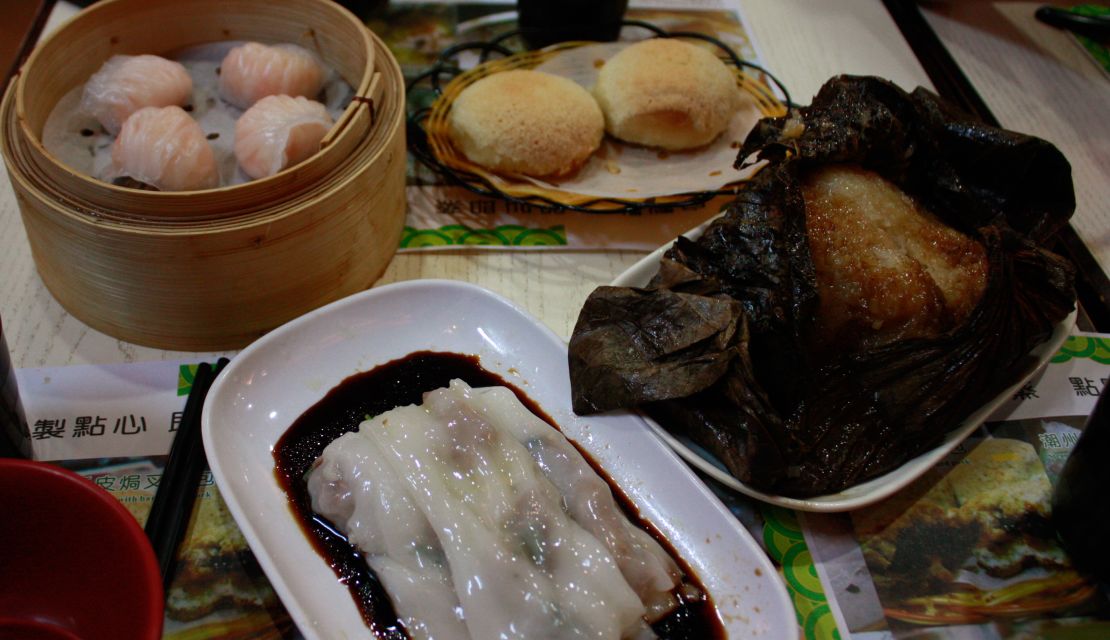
<point x="803" y="42"/>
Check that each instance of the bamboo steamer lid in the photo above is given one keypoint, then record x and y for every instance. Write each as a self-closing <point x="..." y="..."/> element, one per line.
<point x="212" y="270"/>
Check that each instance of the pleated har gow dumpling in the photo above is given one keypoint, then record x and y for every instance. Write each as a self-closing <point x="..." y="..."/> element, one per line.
<point x="279" y="132"/>
<point x="165" y="148"/>
<point x="125" y="84"/>
<point x="253" y="71"/>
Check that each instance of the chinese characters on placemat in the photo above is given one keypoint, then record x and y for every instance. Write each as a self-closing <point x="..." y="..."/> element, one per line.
<point x="104" y="411"/>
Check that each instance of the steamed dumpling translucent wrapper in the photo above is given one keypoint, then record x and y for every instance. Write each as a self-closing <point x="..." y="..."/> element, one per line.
<point x="521" y="566"/>
<point x="125" y="84"/>
<point x="279" y="132"/>
<point x="166" y="149"/>
<point x="253" y="71"/>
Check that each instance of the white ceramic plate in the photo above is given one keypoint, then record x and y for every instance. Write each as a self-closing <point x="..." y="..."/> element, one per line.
<point x="861" y="494"/>
<point x="274" y="380"/>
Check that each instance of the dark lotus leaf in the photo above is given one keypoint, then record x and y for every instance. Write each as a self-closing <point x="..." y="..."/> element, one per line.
<point x="780" y="420"/>
<point x="964" y="171"/>
<point x="757" y="256"/>
<point x="983" y="172"/>
<point x="667" y="345"/>
<point x="734" y="419"/>
<point x="866" y="121"/>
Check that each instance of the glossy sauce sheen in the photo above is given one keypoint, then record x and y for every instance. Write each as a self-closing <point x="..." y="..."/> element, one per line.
<point x="399" y="383"/>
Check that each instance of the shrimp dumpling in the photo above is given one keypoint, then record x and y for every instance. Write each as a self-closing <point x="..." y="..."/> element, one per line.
<point x="253" y="71"/>
<point x="279" y="132"/>
<point x="165" y="148"/>
<point x="125" y="84"/>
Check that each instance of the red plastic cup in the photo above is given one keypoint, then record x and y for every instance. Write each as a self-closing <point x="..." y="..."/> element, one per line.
<point x="74" y="563"/>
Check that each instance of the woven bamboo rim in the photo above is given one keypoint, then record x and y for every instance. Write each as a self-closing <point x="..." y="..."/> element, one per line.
<point x="219" y="284"/>
<point x="124" y="27"/>
<point x="439" y="138"/>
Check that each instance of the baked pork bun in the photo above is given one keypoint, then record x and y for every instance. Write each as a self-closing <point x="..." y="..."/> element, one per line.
<point x="526" y="122"/>
<point x="666" y="93"/>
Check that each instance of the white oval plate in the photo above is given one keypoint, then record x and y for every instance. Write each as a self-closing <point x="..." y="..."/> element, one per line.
<point x="865" y="493"/>
<point x="273" y="381"/>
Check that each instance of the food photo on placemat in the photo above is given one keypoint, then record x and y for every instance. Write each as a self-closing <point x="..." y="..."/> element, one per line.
<point x="972" y="541"/>
<point x="971" y="545"/>
<point x="218" y="587"/>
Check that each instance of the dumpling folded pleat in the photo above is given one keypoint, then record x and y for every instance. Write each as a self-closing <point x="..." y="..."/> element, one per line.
<point x="125" y="84"/>
<point x="166" y="149"/>
<point x="279" y="132"/>
<point x="253" y="71"/>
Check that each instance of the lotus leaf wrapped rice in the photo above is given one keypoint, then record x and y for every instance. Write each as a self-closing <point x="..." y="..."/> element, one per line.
<point x="773" y="340"/>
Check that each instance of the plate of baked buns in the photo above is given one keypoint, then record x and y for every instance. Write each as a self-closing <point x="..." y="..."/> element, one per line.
<point x="600" y="126"/>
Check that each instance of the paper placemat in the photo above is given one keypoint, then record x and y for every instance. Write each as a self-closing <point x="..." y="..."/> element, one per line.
<point x="115" y="424"/>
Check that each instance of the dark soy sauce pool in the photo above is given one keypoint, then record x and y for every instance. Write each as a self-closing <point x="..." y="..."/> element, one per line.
<point x="404" y="382"/>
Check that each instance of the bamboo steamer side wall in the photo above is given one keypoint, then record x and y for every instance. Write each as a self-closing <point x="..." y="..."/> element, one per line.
<point x="206" y="292"/>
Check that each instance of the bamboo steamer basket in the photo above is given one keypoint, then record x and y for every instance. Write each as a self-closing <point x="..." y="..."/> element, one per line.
<point x="132" y="27"/>
<point x="214" y="269"/>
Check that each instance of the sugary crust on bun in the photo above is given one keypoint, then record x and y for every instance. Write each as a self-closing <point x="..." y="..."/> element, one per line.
<point x="526" y="122"/>
<point x="666" y="93"/>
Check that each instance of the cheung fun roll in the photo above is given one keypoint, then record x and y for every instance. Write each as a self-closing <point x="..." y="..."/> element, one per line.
<point x="483" y="521"/>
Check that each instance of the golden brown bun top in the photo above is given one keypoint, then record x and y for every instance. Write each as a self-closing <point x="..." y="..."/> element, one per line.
<point x="526" y="121"/>
<point x="682" y="85"/>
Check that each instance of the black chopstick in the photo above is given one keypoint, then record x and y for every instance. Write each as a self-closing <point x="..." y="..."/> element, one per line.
<point x="943" y="70"/>
<point x="177" y="490"/>
<point x="1093" y="27"/>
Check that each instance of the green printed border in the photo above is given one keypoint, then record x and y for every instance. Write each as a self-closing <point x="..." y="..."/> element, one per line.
<point x="1091" y="347"/>
<point x="186" y="373"/>
<point x="506" y="235"/>
<point x="1098" y="50"/>
<point x="782" y="536"/>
